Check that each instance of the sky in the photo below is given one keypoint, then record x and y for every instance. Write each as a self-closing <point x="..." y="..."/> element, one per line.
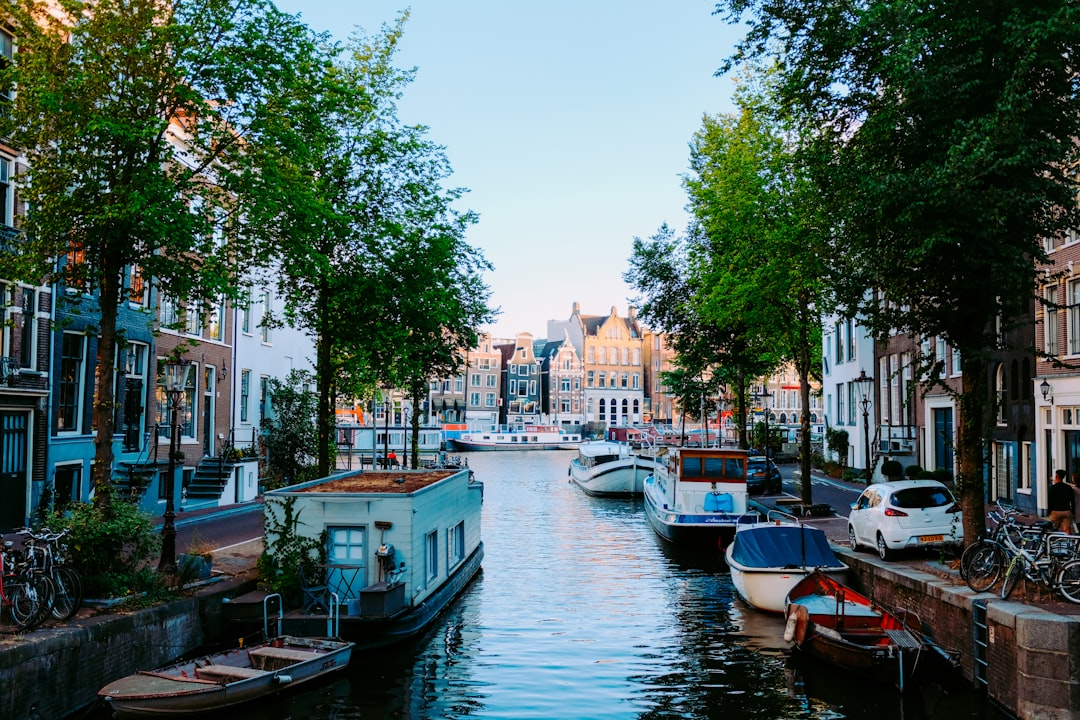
<point x="568" y="121"/>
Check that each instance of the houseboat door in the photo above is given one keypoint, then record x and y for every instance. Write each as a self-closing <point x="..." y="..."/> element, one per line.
<point x="345" y="571"/>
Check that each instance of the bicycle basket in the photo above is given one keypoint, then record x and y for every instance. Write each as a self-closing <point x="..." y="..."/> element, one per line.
<point x="1064" y="545"/>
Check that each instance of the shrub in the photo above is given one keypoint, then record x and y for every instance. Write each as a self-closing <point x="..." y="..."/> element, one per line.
<point x="852" y="475"/>
<point x="913" y="471"/>
<point x="838" y="443"/>
<point x="115" y="550"/>
<point x="287" y="551"/>
<point x="941" y="475"/>
<point x="892" y="469"/>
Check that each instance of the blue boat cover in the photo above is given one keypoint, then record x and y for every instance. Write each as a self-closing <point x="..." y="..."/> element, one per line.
<point x="779" y="546"/>
<point x="719" y="502"/>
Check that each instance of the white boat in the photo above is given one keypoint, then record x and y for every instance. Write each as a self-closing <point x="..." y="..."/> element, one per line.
<point x="221" y="680"/>
<point x="697" y="497"/>
<point x="611" y="469"/>
<point x="768" y="559"/>
<point x="518" y="437"/>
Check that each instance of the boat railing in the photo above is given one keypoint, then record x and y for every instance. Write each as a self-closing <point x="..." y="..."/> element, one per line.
<point x="779" y="516"/>
<point x="266" y="615"/>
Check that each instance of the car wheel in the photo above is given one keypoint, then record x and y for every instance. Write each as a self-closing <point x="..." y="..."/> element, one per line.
<point x="852" y="542"/>
<point x="883" y="550"/>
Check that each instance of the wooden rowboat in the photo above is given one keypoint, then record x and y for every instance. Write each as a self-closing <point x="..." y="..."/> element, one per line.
<point x="832" y="622"/>
<point x="222" y="680"/>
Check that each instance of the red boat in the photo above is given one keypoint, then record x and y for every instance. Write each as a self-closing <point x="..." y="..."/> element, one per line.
<point x="832" y="622"/>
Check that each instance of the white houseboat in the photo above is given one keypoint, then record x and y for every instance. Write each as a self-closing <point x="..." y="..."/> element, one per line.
<point x="518" y="437"/>
<point x="611" y="469"/>
<point x="698" y="496"/>
<point x="400" y="545"/>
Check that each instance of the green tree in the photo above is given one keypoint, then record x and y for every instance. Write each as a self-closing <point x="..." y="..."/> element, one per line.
<point x="761" y="256"/>
<point x="289" y="431"/>
<point x="371" y="245"/>
<point x="946" y="134"/>
<point x="133" y="115"/>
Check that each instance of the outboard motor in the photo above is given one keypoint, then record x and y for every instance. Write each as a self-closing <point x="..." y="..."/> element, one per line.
<point x="385" y="555"/>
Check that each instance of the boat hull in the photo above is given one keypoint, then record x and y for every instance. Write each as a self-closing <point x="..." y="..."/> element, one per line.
<point x="224" y="680"/>
<point x="619" y="478"/>
<point x="482" y="446"/>
<point x="767" y="588"/>
<point x="834" y="623"/>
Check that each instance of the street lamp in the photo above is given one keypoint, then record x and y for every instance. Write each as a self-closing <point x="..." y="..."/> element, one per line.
<point x="386" y="430"/>
<point x="864" y="385"/>
<point x="406" y="419"/>
<point x="175" y="376"/>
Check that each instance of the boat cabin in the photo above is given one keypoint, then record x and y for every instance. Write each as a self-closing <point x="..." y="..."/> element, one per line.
<point x="709" y="480"/>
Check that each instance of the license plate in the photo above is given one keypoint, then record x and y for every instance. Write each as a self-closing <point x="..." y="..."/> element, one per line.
<point x="931" y="538"/>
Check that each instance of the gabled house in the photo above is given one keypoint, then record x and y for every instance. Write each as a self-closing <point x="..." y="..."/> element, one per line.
<point x="520" y="382"/>
<point x="562" y="378"/>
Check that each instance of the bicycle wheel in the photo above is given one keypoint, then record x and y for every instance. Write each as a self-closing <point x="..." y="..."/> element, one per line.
<point x="967" y="555"/>
<point x="24" y="604"/>
<point x="1012" y="576"/>
<point x="1067" y="581"/>
<point x="67" y="597"/>
<point x="984" y="566"/>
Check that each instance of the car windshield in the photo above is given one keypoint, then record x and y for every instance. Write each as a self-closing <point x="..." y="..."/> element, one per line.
<point x="921" y="497"/>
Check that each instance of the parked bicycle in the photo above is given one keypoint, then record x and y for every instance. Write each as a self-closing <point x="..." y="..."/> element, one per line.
<point x="24" y="593"/>
<point x="46" y="553"/>
<point x="1045" y="557"/>
<point x="997" y="518"/>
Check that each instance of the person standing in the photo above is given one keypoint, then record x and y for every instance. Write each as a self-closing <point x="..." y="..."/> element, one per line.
<point x="1061" y="502"/>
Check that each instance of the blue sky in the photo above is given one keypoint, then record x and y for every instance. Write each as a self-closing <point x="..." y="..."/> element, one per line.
<point x="569" y="122"/>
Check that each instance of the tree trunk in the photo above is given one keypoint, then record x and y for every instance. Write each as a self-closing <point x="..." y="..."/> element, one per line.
<point x="324" y="423"/>
<point x="104" y="418"/>
<point x="970" y="444"/>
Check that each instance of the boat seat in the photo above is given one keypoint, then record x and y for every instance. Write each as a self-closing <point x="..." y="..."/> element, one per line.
<point x="227" y="673"/>
<point x="274" y="658"/>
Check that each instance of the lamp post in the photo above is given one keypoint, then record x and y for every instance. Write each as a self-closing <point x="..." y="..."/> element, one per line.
<point x="406" y="419"/>
<point x="175" y="375"/>
<point x="386" y="431"/>
<point x="864" y="385"/>
<point x="764" y="395"/>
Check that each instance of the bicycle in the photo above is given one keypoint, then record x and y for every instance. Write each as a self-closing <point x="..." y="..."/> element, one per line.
<point x="46" y="553"/>
<point x="22" y="594"/>
<point x="997" y="519"/>
<point x="1046" y="558"/>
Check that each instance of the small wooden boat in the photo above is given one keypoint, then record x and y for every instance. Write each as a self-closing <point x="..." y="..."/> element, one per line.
<point x="837" y="624"/>
<point x="610" y="469"/>
<point x="768" y="559"/>
<point x="222" y="680"/>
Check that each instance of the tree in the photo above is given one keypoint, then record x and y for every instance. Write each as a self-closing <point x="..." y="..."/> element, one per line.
<point x="290" y="430"/>
<point x="132" y="115"/>
<point x="761" y="257"/>
<point x="945" y="136"/>
<point x="370" y="242"/>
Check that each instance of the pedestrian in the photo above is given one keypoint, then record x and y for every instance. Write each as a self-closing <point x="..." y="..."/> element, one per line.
<point x="392" y="457"/>
<point x="1061" y="502"/>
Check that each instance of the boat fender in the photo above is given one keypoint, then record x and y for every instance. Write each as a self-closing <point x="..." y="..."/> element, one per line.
<point x="795" y="630"/>
<point x="283" y="679"/>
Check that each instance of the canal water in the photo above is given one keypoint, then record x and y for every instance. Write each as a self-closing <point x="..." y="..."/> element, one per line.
<point x="582" y="611"/>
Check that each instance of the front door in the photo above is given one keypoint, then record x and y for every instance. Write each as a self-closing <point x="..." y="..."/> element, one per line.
<point x="209" y="377"/>
<point x="14" y="468"/>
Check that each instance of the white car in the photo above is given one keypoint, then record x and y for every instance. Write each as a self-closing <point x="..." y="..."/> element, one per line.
<point x="893" y="516"/>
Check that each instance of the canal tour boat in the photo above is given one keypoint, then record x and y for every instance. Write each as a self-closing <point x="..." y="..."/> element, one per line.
<point x="767" y="559"/>
<point x="611" y="469"/>
<point x="697" y="496"/>
<point x="222" y="680"/>
<point x="400" y="546"/>
<point x="518" y="437"/>
<point x="832" y="622"/>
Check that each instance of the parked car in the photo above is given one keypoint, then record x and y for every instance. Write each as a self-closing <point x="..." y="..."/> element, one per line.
<point x="892" y="516"/>
<point x="762" y="476"/>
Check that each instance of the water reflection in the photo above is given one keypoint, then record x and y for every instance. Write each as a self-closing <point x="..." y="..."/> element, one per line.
<point x="581" y="611"/>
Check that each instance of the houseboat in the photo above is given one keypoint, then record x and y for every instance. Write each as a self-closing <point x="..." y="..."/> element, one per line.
<point x="697" y="497"/>
<point x="518" y="437"/>
<point x="399" y="546"/>
<point x="611" y="469"/>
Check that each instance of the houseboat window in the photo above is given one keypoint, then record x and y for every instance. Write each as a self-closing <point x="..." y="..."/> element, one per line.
<point x="455" y="545"/>
<point x="431" y="559"/>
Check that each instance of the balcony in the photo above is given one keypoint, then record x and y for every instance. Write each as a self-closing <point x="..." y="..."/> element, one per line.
<point x="9" y="370"/>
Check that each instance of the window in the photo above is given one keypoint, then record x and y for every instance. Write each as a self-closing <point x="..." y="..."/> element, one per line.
<point x="264" y="398"/>
<point x="245" y="394"/>
<point x="264" y="326"/>
<point x="72" y="361"/>
<point x="455" y="545"/>
<point x="1001" y="393"/>
<point x="193" y="320"/>
<point x="636" y="358"/>
<point x="590" y="379"/>
<point x="626" y="356"/>
<point x="431" y="556"/>
<point x="28" y="337"/>
<point x="841" y="416"/>
<point x="474" y="399"/>
<point x="7" y="53"/>
<point x="956" y="365"/>
<point x="1050" y="322"/>
<point x="602" y="378"/>
<point x="7" y="190"/>
<point x="1074" y="317"/>
<point x="245" y="316"/>
<point x="216" y="322"/>
<point x="136" y="289"/>
<point x="839" y="343"/>
<point x="489" y="399"/>
<point x="850" y="339"/>
<point x="168" y="314"/>
<point x="624" y="380"/>
<point x="474" y="379"/>
<point x="459" y="384"/>
<point x="492" y="381"/>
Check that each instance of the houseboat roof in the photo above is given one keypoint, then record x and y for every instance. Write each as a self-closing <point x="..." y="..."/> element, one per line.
<point x="378" y="481"/>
